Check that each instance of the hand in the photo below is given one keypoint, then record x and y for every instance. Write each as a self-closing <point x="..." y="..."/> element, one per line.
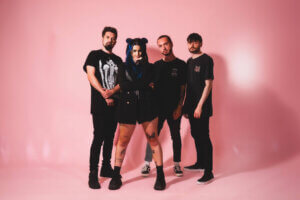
<point x="198" y="112"/>
<point x="102" y="92"/>
<point x="110" y="102"/>
<point x="151" y="85"/>
<point x="108" y="93"/>
<point x="177" y="112"/>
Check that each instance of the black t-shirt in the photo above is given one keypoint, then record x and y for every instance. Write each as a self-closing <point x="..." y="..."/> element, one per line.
<point x="106" y="72"/>
<point x="199" y="70"/>
<point x="170" y="77"/>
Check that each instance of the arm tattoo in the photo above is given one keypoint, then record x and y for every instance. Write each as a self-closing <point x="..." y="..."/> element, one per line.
<point x="123" y="151"/>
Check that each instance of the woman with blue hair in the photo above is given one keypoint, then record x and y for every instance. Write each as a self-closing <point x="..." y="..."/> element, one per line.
<point x="137" y="104"/>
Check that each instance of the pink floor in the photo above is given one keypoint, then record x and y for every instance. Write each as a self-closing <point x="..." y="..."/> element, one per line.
<point x="278" y="182"/>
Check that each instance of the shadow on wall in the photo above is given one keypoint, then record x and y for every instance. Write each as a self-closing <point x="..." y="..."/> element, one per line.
<point x="249" y="130"/>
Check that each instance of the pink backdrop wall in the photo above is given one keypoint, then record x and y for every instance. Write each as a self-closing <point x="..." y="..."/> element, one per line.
<point x="45" y="95"/>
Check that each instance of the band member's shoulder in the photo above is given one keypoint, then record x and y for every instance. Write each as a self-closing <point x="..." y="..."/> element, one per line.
<point x="208" y="57"/>
<point x="158" y="62"/>
<point x="189" y="59"/>
<point x="94" y="52"/>
<point x="181" y="62"/>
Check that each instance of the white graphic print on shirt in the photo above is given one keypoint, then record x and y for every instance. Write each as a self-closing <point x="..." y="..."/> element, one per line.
<point x="108" y="74"/>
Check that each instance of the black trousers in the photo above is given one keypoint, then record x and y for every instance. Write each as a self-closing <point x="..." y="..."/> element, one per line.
<point x="104" y="132"/>
<point x="174" y="126"/>
<point x="200" y="133"/>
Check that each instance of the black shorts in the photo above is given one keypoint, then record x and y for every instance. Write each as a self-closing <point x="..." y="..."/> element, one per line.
<point x="140" y="110"/>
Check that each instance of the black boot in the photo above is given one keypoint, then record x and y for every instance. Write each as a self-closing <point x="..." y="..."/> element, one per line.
<point x="106" y="170"/>
<point x="206" y="178"/>
<point x="160" y="183"/>
<point x="93" y="180"/>
<point x="116" y="182"/>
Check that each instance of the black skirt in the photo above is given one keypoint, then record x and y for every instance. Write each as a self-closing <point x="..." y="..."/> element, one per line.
<point x="137" y="106"/>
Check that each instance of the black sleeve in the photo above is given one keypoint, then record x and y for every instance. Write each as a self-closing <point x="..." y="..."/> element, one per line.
<point x="91" y="60"/>
<point x="209" y="70"/>
<point x="126" y="84"/>
<point x="120" y="63"/>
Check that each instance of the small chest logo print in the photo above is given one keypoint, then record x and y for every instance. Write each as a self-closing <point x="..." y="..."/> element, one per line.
<point x="174" y="72"/>
<point x="197" y="69"/>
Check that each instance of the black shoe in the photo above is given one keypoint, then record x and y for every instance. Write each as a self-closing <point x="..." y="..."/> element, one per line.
<point x="145" y="170"/>
<point x="195" y="167"/>
<point x="177" y="170"/>
<point x="206" y="178"/>
<point x="106" y="170"/>
<point x="115" y="183"/>
<point x="93" y="180"/>
<point x="160" y="183"/>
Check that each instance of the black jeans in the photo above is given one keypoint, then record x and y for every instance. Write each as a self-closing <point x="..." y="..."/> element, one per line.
<point x="104" y="132"/>
<point x="174" y="126"/>
<point x="200" y="133"/>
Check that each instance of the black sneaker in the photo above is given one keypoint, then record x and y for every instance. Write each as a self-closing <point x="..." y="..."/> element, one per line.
<point x="106" y="170"/>
<point x="115" y="183"/>
<point x="195" y="167"/>
<point x="177" y="171"/>
<point x="206" y="178"/>
<point x="145" y="170"/>
<point x="160" y="183"/>
<point x="93" y="180"/>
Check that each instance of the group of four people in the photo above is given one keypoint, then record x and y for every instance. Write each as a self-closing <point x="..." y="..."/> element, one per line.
<point x="138" y="91"/>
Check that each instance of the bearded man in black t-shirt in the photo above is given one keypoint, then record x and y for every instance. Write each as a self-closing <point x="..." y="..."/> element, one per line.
<point x="101" y="67"/>
<point x="198" y="105"/>
<point x="170" y="87"/>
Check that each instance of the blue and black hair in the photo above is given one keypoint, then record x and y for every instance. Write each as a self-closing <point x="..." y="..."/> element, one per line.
<point x="129" y="61"/>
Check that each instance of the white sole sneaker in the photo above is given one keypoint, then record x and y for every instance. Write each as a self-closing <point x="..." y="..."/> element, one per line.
<point x="178" y="175"/>
<point x="145" y="175"/>
<point x="205" y="183"/>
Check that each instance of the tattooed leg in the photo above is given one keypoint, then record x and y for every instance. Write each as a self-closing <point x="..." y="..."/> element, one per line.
<point x="150" y="129"/>
<point x="126" y="131"/>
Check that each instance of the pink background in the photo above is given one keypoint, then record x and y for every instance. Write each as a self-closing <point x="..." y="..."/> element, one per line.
<point x="46" y="128"/>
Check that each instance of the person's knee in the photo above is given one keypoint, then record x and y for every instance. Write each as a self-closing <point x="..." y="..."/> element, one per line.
<point x="194" y="135"/>
<point x="98" y="139"/>
<point x="123" y="141"/>
<point x="203" y="139"/>
<point x="152" y="139"/>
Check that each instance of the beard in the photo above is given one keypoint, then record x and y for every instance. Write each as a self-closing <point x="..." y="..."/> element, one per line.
<point x="108" y="46"/>
<point x="167" y="53"/>
<point x="193" y="50"/>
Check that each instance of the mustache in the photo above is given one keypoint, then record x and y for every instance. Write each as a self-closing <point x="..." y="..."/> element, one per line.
<point x="194" y="50"/>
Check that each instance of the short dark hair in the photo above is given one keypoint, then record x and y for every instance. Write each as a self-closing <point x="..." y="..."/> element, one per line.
<point x="194" y="37"/>
<point x="109" y="29"/>
<point x="165" y="36"/>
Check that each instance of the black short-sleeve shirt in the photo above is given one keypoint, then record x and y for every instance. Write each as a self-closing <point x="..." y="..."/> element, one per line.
<point x="199" y="70"/>
<point x="170" y="77"/>
<point x="106" y="72"/>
